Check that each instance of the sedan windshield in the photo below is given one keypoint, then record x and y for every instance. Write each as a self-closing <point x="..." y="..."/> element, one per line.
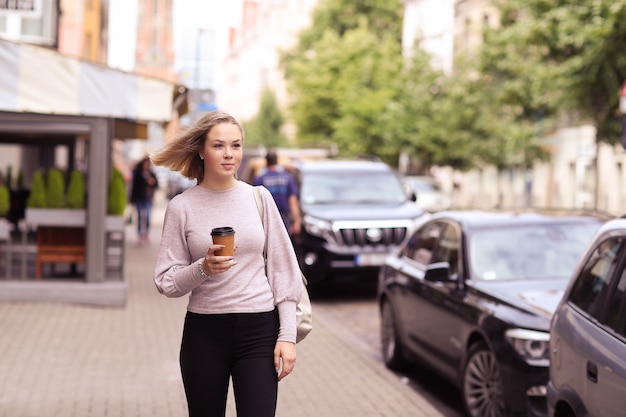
<point x="528" y="252"/>
<point x="351" y="187"/>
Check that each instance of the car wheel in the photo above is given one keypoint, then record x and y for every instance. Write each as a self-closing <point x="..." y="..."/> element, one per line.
<point x="391" y="347"/>
<point x="482" y="384"/>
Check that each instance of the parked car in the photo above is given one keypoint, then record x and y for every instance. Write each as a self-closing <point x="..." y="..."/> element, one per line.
<point x="354" y="213"/>
<point x="588" y="333"/>
<point x="428" y="193"/>
<point x="471" y="294"/>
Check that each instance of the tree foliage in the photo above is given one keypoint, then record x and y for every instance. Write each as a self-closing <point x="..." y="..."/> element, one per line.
<point x="265" y="127"/>
<point x="556" y="55"/>
<point x="342" y="74"/>
<point x="350" y="85"/>
<point x="384" y="18"/>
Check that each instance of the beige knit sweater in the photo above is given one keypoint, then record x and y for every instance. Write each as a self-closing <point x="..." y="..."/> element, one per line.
<point x="186" y="237"/>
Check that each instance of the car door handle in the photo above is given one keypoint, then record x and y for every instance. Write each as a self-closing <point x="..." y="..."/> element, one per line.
<point x="592" y="372"/>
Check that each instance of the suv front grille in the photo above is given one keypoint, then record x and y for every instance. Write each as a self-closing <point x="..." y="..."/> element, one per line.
<point x="368" y="235"/>
<point x="388" y="236"/>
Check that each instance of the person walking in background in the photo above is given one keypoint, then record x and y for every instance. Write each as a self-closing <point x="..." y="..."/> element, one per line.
<point x="284" y="189"/>
<point x="241" y="315"/>
<point x="144" y="183"/>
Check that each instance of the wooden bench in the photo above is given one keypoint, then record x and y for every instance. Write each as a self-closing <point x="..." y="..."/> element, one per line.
<point x="59" y="245"/>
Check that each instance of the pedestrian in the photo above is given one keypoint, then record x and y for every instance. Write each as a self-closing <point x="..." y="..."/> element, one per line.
<point x="284" y="189"/>
<point x="241" y="315"/>
<point x="144" y="183"/>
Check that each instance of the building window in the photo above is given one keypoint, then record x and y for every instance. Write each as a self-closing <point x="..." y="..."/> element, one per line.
<point x="32" y="27"/>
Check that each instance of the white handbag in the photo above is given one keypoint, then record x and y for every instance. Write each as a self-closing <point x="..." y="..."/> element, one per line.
<point x="304" y="313"/>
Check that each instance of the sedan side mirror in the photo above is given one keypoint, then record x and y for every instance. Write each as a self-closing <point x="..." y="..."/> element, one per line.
<point x="438" y="272"/>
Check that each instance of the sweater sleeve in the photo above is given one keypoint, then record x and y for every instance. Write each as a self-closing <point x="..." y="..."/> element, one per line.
<point x="282" y="268"/>
<point x="175" y="273"/>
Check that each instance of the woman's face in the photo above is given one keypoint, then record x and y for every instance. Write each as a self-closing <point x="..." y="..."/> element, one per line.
<point x="223" y="151"/>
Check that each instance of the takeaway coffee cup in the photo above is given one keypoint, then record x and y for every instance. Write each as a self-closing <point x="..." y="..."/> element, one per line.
<point x="224" y="236"/>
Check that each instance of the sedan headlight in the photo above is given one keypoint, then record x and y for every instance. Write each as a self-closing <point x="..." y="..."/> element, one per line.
<point x="316" y="227"/>
<point x="532" y="345"/>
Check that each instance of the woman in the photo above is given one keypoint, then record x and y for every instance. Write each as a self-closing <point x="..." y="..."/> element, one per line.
<point x="240" y="321"/>
<point x="142" y="193"/>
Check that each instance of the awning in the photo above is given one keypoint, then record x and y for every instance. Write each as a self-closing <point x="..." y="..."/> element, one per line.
<point x="41" y="80"/>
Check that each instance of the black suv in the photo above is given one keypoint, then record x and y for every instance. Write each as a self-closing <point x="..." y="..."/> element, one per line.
<point x="354" y="212"/>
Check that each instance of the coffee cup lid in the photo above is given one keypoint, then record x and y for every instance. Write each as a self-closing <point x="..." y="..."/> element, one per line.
<point x="222" y="231"/>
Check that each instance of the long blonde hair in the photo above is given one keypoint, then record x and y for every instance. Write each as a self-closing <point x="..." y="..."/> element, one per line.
<point x="182" y="152"/>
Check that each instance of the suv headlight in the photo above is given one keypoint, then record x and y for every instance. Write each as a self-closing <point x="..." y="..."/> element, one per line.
<point x="316" y="227"/>
<point x="532" y="345"/>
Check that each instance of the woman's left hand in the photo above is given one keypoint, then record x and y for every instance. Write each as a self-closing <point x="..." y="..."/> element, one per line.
<point x="284" y="358"/>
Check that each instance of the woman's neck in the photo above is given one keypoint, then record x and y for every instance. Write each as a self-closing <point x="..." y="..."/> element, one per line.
<point x="219" y="185"/>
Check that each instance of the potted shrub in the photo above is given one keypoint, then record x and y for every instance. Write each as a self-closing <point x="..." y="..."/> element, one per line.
<point x="47" y="201"/>
<point x="60" y="229"/>
<point x="5" y="200"/>
<point x="37" y="196"/>
<point x="5" y="205"/>
<point x="116" y="200"/>
<point x="76" y="190"/>
<point x="55" y="189"/>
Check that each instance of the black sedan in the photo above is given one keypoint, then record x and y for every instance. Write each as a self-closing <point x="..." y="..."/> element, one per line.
<point x="471" y="294"/>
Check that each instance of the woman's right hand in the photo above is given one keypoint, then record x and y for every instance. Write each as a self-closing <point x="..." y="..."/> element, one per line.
<point x="214" y="264"/>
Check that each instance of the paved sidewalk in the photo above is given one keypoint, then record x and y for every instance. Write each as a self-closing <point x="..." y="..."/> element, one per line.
<point x="59" y="360"/>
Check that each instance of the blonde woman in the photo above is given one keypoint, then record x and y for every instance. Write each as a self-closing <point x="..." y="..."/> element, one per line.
<point x="241" y="320"/>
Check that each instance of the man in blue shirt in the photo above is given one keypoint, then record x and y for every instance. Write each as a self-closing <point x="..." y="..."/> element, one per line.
<point x="284" y="190"/>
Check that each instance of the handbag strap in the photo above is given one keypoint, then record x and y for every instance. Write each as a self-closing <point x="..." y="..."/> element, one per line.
<point x="259" y="202"/>
<point x="260" y="208"/>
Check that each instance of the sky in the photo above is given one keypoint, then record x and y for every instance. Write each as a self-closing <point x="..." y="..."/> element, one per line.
<point x="189" y="17"/>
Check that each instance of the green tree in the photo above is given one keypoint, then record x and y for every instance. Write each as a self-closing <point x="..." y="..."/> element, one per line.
<point x="341" y="93"/>
<point x="576" y="66"/>
<point x="384" y="17"/>
<point x="341" y="74"/>
<point x="265" y="127"/>
<point x="553" y="56"/>
<point x="76" y="190"/>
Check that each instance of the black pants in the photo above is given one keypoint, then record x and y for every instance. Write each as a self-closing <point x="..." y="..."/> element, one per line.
<point x="218" y="346"/>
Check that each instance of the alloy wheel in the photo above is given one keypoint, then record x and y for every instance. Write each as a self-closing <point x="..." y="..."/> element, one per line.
<point x="482" y="384"/>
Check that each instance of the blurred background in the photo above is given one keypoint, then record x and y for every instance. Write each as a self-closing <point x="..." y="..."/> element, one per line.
<point x="474" y="103"/>
<point x="459" y="91"/>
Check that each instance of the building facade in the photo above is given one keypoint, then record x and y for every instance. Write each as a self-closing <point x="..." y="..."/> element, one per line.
<point x="155" y="54"/>
<point x="253" y="59"/>
<point x="66" y="119"/>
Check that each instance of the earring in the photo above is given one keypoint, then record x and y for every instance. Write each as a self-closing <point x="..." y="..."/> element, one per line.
<point x="201" y="157"/>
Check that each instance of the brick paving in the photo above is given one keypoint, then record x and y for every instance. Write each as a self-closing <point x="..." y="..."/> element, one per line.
<point x="70" y="360"/>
